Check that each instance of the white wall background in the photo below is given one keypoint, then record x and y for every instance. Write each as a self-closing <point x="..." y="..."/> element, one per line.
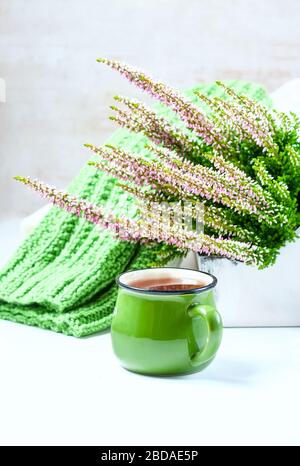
<point x="57" y="96"/>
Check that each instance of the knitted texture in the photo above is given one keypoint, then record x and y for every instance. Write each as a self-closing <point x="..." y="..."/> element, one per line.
<point x="63" y="275"/>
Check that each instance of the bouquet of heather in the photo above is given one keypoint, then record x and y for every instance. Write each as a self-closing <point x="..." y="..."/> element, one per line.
<point x="234" y="156"/>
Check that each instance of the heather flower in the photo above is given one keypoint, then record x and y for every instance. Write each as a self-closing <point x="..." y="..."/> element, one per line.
<point x="141" y="119"/>
<point x="238" y="186"/>
<point x="242" y="121"/>
<point x="175" y="176"/>
<point x="135" y="230"/>
<point x="249" y="106"/>
<point x="187" y="111"/>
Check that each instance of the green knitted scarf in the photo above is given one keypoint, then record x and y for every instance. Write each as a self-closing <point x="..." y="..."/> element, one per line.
<point x="63" y="275"/>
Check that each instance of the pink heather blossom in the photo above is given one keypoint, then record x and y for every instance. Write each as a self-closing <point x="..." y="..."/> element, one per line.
<point x="192" y="181"/>
<point x="135" y="230"/>
<point x="188" y="112"/>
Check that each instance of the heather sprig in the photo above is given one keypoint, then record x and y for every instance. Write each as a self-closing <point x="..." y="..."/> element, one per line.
<point x="242" y="121"/>
<point x="253" y="113"/>
<point x="141" y="119"/>
<point x="181" y="178"/>
<point x="194" y="119"/>
<point x="146" y="231"/>
<point x="241" y="188"/>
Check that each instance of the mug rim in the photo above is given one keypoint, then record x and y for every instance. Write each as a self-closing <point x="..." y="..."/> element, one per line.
<point x="210" y="286"/>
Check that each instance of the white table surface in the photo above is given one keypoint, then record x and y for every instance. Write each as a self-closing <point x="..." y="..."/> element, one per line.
<point x="61" y="390"/>
<point x="57" y="390"/>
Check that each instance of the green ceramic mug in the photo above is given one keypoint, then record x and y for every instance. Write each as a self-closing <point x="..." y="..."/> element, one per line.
<point x="166" y="332"/>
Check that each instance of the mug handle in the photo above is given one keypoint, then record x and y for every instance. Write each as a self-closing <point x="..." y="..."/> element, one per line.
<point x="214" y="330"/>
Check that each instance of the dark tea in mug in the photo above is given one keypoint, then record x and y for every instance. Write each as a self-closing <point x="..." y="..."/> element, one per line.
<point x="166" y="284"/>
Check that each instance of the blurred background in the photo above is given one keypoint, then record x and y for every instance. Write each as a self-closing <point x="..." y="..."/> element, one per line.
<point x="57" y="96"/>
